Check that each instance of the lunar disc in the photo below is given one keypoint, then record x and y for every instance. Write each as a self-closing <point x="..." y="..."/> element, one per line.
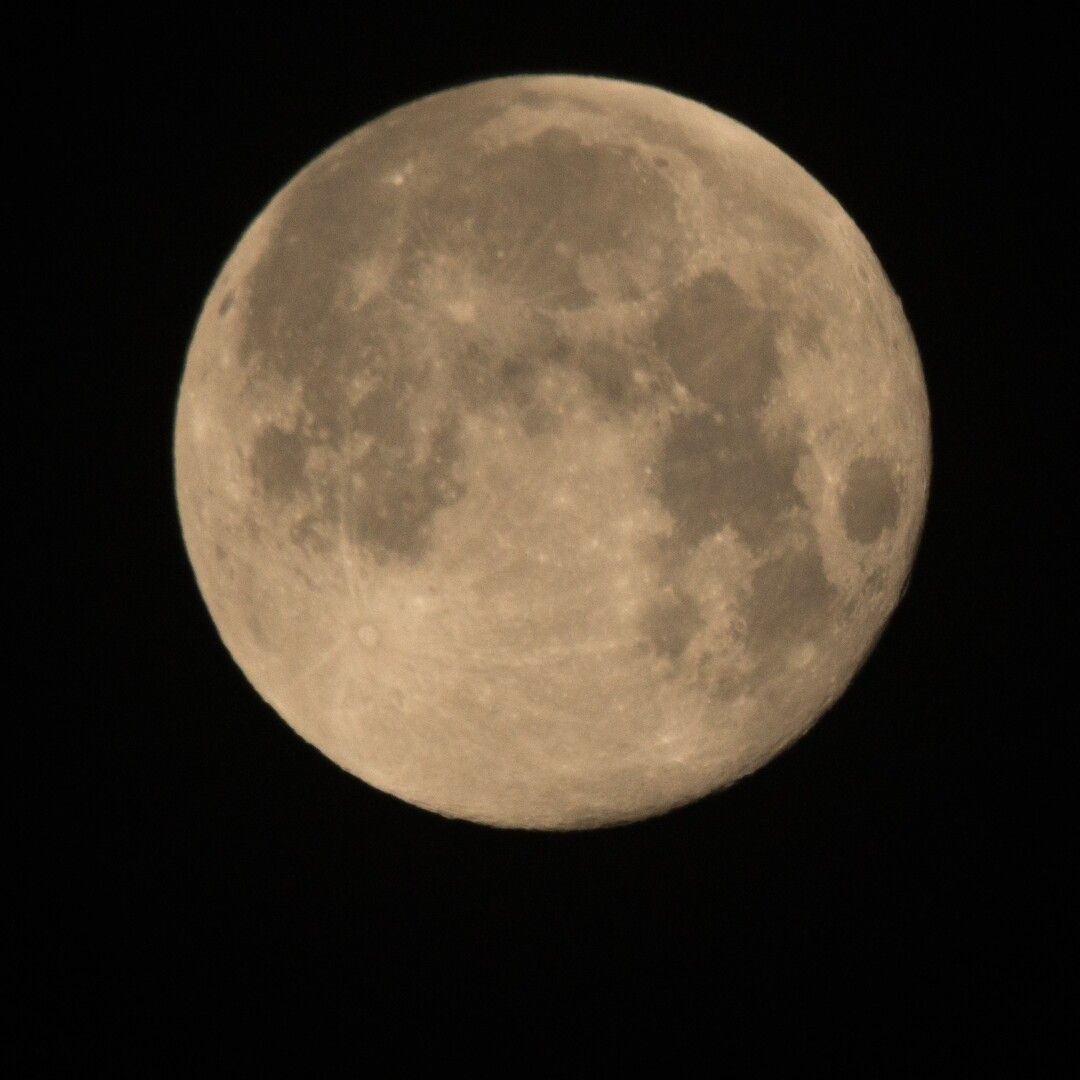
<point x="551" y="451"/>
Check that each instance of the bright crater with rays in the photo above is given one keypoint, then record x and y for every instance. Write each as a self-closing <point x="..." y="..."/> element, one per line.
<point x="551" y="451"/>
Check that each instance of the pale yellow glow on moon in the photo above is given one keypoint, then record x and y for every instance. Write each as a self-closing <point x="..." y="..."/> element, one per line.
<point x="551" y="451"/>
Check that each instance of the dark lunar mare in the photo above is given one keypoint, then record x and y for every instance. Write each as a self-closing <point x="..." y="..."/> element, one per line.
<point x="502" y="213"/>
<point x="871" y="499"/>
<point x="720" y="467"/>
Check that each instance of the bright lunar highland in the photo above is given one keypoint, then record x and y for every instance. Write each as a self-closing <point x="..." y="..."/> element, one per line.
<point x="551" y="451"/>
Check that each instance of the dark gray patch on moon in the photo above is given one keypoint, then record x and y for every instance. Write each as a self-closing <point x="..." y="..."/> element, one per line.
<point x="332" y="219"/>
<point x="722" y="173"/>
<point x="340" y="212"/>
<point x="279" y="467"/>
<point x="386" y="494"/>
<point x="390" y="500"/>
<point x="538" y="418"/>
<point x="670" y="622"/>
<point x="871" y="501"/>
<point x="791" y="598"/>
<point x="392" y="492"/>
<point x="610" y="371"/>
<point x="719" y="346"/>
<point x="277" y="462"/>
<point x="484" y="376"/>
<point x="714" y="473"/>
<point x="718" y="467"/>
<point x="523" y="214"/>
<point x="515" y="377"/>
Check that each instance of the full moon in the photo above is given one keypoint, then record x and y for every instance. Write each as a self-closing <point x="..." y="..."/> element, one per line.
<point x="551" y="451"/>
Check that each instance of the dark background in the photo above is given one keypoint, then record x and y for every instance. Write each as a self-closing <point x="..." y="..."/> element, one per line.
<point x="197" y="873"/>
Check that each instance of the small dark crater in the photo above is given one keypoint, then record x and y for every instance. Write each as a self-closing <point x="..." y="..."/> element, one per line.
<point x="277" y="461"/>
<point x="661" y="162"/>
<point x="870" y="502"/>
<point x="226" y="303"/>
<point x="671" y="621"/>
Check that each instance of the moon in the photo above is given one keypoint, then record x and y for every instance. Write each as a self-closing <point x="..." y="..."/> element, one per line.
<point x="551" y="452"/>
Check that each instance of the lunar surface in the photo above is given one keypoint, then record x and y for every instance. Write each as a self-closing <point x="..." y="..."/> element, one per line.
<point x="551" y="451"/>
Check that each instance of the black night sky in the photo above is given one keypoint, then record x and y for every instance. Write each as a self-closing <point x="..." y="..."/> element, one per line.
<point x="197" y="878"/>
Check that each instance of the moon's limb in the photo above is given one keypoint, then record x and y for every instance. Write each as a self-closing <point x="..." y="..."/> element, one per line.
<point x="551" y="451"/>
